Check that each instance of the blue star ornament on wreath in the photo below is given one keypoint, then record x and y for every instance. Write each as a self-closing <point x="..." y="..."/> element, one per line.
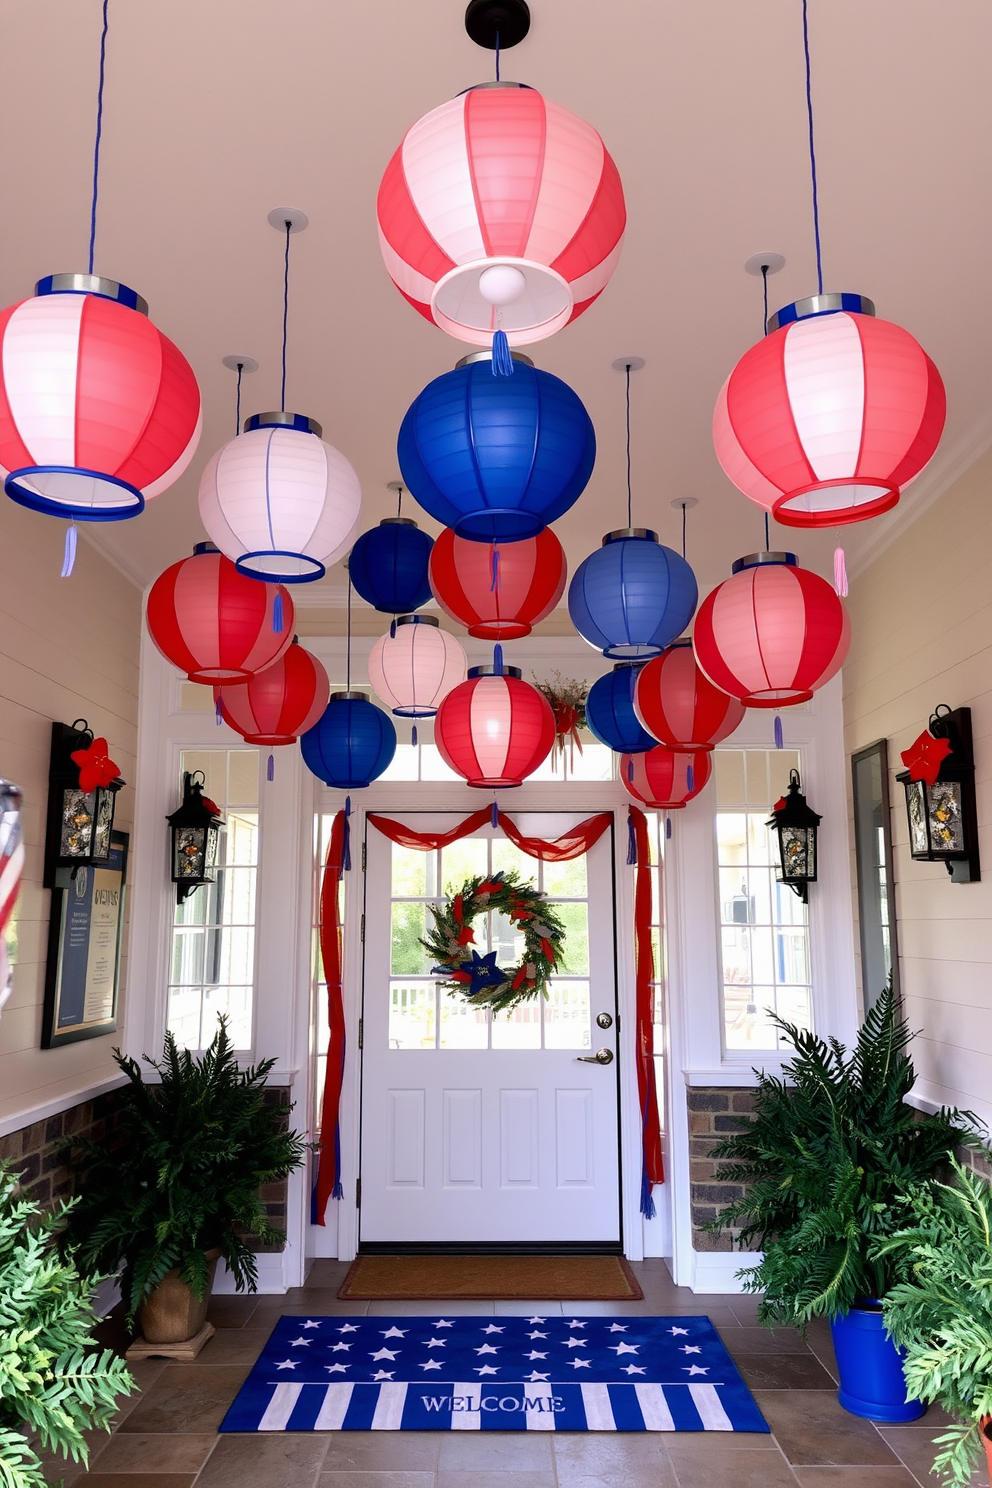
<point x="477" y="978"/>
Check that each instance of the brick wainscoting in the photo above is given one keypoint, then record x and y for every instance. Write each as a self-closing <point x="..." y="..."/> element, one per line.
<point x="714" y="1113"/>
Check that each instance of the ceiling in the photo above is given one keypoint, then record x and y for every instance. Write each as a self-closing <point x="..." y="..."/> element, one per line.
<point x="217" y="112"/>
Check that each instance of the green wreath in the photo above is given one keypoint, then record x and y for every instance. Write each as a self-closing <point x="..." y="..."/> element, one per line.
<point x="477" y="978"/>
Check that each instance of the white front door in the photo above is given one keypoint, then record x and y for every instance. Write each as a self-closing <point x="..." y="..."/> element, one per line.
<point x="478" y="1129"/>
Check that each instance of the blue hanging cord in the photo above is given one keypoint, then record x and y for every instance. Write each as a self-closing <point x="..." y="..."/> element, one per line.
<point x="812" y="151"/>
<point x="629" y="508"/>
<point x="237" y="402"/>
<point x="683" y="529"/>
<point x="494" y="586"/>
<point x="494" y="814"/>
<point x="777" y="730"/>
<point x="99" y="134"/>
<point x="413" y="736"/>
<point x="502" y="360"/>
<point x="768" y="544"/>
<point x="69" y="555"/>
<point x="278" y="622"/>
<point x="346" y="845"/>
<point x="498" y="659"/>
<point x="270" y="767"/>
<point x="690" y="778"/>
<point x="285" y="313"/>
<point x="497" y="56"/>
<point x="764" y="288"/>
<point x="348" y="664"/>
<point x="631" y="839"/>
<point x="668" y="827"/>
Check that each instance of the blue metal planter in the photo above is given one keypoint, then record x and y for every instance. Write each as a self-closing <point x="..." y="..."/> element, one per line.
<point x="870" y="1367"/>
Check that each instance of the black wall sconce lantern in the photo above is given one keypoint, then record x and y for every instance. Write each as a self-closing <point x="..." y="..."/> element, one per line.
<point x="796" y="824"/>
<point x="83" y="782"/>
<point x="195" y="838"/>
<point x="940" y="795"/>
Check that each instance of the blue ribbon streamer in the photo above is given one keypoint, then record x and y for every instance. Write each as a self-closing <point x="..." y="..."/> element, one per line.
<point x="346" y="848"/>
<point x="502" y="360"/>
<point x="631" y="840"/>
<point x="779" y="740"/>
<point x="69" y="556"/>
<point x="278" y="623"/>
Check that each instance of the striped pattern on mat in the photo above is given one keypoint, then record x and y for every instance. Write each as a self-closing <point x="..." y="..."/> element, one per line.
<point x="530" y="1374"/>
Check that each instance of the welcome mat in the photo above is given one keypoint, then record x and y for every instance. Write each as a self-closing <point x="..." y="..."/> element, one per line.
<point x="476" y="1278"/>
<point x="489" y="1374"/>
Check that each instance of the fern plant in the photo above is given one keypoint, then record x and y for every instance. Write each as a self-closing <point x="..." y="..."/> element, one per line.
<point x="825" y="1163"/>
<point x="53" y="1384"/>
<point x="941" y="1314"/>
<point x="184" y="1178"/>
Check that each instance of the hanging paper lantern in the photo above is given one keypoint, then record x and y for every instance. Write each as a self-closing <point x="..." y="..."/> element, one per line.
<point x="633" y="596"/>
<point x="610" y="711"/>
<point x="279" y="500"/>
<point x="772" y="634"/>
<point x="278" y="705"/>
<point x="499" y="592"/>
<point x="831" y="416"/>
<point x="213" y="623"/>
<point x="415" y="668"/>
<point x="501" y="209"/>
<point x="388" y="566"/>
<point x="496" y="458"/>
<point x="679" y="706"/>
<point x="494" y="729"/>
<point x="99" y="412"/>
<point x="665" y="779"/>
<point x="351" y="744"/>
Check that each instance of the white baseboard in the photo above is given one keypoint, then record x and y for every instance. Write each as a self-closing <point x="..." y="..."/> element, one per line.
<point x="716" y="1270"/>
<point x="271" y="1277"/>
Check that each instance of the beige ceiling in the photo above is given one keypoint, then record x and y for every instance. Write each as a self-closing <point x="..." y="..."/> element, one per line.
<point x="217" y="111"/>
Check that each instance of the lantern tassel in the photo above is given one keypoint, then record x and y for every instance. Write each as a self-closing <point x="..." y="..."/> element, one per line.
<point x="779" y="738"/>
<point x="494" y="814"/>
<point x="690" y="779"/>
<point x="840" y="573"/>
<point x="498" y="659"/>
<point x="631" y="839"/>
<point x="494" y="586"/>
<point x="346" y="845"/>
<point x="218" y="712"/>
<point x="270" y="768"/>
<point x="413" y="736"/>
<point x="630" y="771"/>
<point x="502" y="360"/>
<point x="69" y="556"/>
<point x="668" y="827"/>
<point x="392" y="629"/>
<point x="278" y="623"/>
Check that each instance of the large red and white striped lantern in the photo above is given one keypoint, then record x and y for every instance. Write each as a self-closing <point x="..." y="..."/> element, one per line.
<point x="680" y="706"/>
<point x="831" y="416"/>
<point x="279" y="704"/>
<point x="213" y="623"/>
<point x="494" y="729"/>
<point x="772" y="633"/>
<point x="99" y="412"/>
<point x="500" y="591"/>
<point x="501" y="210"/>
<point x="415" y="665"/>
<point x="665" y="779"/>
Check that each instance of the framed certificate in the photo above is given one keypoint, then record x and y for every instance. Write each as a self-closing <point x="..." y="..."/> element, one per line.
<point x="84" y="951"/>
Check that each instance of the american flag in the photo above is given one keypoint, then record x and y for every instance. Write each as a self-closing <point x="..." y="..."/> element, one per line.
<point x="537" y="1373"/>
<point x="11" y="867"/>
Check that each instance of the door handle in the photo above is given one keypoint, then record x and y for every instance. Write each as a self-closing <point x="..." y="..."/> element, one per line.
<point x="601" y="1056"/>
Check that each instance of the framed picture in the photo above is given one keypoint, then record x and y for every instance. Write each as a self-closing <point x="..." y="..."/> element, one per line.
<point x="84" y="951"/>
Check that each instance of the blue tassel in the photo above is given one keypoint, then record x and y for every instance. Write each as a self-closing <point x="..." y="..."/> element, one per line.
<point x="495" y="585"/>
<point x="690" y="779"/>
<point x="630" y="771"/>
<point x="498" y="659"/>
<point x="502" y="360"/>
<point x="392" y="630"/>
<point x="668" y="827"/>
<point x="778" y="732"/>
<point x="337" y="1192"/>
<point x="413" y="736"/>
<point x="647" y="1200"/>
<point x="278" y="624"/>
<point x="69" y="557"/>
<point x="270" y="768"/>
<point x="631" y="839"/>
<point x="218" y="715"/>
<point x="494" y="816"/>
<point x="346" y="846"/>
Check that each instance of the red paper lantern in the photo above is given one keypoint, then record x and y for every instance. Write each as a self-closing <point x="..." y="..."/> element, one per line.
<point x="772" y="634"/>
<point x="679" y="705"/>
<point x="278" y="705"/>
<point x="501" y="209"/>
<point x="500" y="591"/>
<point x="665" y="779"/>
<point x="831" y="416"/>
<point x="213" y="623"/>
<point x="494" y="729"/>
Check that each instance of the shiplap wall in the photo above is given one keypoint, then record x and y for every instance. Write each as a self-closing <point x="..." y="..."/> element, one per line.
<point x="922" y="634"/>
<point x="68" y="649"/>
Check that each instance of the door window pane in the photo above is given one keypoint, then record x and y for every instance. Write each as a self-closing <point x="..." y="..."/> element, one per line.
<point x="412" y="1015"/>
<point x="567" y="1024"/>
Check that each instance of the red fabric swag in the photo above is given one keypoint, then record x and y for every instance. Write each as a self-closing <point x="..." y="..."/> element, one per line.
<point x="328" y="1184"/>
<point x="571" y="844"/>
<point x="653" y="1169"/>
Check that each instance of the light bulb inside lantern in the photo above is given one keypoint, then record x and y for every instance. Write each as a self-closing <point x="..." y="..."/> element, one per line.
<point x="501" y="284"/>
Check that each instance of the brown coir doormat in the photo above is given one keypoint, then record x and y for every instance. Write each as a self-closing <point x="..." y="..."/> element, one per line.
<point x="502" y="1278"/>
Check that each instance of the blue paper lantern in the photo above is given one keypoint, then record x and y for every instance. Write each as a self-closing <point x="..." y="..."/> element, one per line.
<point x="496" y="458"/>
<point x="388" y="566"/>
<point x="633" y="596"/>
<point x="610" y="711"/>
<point x="351" y="743"/>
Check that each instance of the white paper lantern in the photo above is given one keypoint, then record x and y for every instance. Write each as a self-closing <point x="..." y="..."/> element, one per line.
<point x="415" y="668"/>
<point x="279" y="501"/>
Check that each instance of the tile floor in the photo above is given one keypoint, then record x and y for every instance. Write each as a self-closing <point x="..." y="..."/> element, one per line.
<point x="166" y="1437"/>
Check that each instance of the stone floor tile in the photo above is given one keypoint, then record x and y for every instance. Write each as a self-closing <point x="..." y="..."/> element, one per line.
<point x="915" y="1449"/>
<point x="495" y="1451"/>
<point x="539" y="1309"/>
<point x="327" y="1272"/>
<point x="379" y="1451"/>
<point x="131" y="1453"/>
<point x="136" y="1480"/>
<point x="231" y="1312"/>
<point x="272" y="1459"/>
<point x="747" y="1339"/>
<point x="767" y="1469"/>
<point x="791" y="1372"/>
<point x="376" y="1480"/>
<point x="660" y="1475"/>
<point x="813" y="1429"/>
<point x="462" y="1307"/>
<point x="188" y="1399"/>
<point x="644" y="1308"/>
<point x="234" y="1346"/>
<point x="525" y="1478"/>
<point x="820" y="1340"/>
<point x="607" y="1453"/>
<point x="706" y="1446"/>
<point x="855" y="1477"/>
